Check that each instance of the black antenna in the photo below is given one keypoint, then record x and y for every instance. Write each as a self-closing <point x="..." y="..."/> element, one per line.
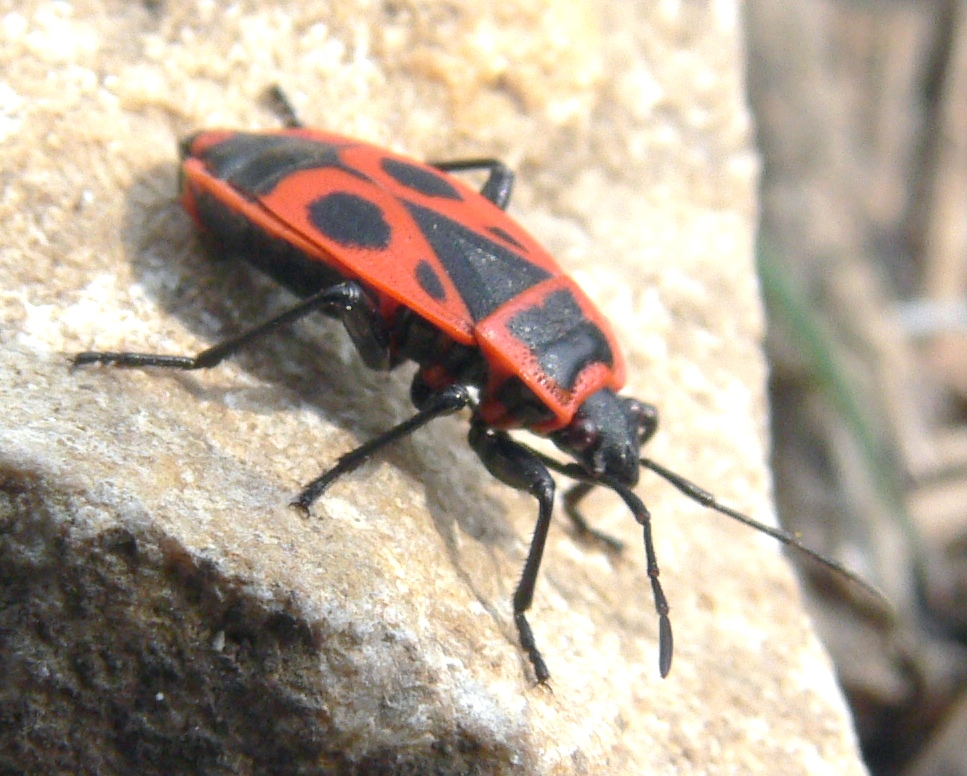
<point x="706" y="499"/>
<point x="700" y="495"/>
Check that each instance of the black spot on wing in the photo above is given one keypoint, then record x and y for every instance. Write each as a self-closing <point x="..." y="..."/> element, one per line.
<point x="420" y="179"/>
<point x="430" y="281"/>
<point x="506" y="237"/>
<point x="350" y="220"/>
<point x="562" y="339"/>
<point x="485" y="273"/>
<point x="254" y="164"/>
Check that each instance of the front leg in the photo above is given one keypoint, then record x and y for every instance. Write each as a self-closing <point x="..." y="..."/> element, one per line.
<point x="518" y="467"/>
<point x="572" y="498"/>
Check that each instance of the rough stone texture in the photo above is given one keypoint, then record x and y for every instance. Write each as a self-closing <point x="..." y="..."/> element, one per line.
<point x="164" y="611"/>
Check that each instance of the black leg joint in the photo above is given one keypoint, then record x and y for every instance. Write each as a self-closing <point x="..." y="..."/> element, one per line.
<point x="366" y="328"/>
<point x="499" y="184"/>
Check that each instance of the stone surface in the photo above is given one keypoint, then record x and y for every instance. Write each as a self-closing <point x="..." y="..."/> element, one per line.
<point x="164" y="611"/>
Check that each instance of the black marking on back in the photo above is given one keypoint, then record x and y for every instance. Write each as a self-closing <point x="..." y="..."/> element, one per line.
<point x="486" y="274"/>
<point x="562" y="339"/>
<point x="504" y="236"/>
<point x="254" y="164"/>
<point x="430" y="281"/>
<point x="420" y="179"/>
<point x="350" y="220"/>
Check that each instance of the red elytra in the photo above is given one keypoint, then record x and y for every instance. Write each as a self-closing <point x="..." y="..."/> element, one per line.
<point x="419" y="266"/>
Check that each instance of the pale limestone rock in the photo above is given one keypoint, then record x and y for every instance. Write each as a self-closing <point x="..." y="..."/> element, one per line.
<point x="164" y="611"/>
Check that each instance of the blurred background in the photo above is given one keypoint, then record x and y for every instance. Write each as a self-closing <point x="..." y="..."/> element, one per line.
<point x="861" y="109"/>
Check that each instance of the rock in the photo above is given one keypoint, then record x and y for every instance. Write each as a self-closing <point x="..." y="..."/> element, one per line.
<point x="165" y="611"/>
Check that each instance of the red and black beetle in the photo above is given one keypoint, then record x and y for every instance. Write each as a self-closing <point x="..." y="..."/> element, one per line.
<point x="420" y="267"/>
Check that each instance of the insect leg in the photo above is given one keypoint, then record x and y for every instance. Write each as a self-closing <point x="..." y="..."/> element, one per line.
<point x="366" y="328"/>
<point x="572" y="497"/>
<point x="283" y="107"/>
<point x="446" y="401"/>
<point x="346" y="301"/>
<point x="643" y="517"/>
<point x="515" y="465"/>
<point x="499" y="183"/>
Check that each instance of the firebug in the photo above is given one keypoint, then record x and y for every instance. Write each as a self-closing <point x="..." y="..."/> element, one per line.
<point x="419" y="266"/>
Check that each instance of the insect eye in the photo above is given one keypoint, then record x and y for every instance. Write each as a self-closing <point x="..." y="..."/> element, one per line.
<point x="643" y="416"/>
<point x="581" y="435"/>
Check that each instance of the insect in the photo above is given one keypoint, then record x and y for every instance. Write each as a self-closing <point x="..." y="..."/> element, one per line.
<point x="419" y="266"/>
